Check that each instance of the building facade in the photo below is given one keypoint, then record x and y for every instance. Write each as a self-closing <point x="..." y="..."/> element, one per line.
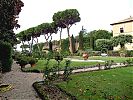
<point x="123" y="27"/>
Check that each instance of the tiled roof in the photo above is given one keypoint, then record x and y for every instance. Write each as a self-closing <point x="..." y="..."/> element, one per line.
<point x="130" y="19"/>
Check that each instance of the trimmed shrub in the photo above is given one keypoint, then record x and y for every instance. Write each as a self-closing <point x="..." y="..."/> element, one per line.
<point x="32" y="61"/>
<point x="16" y="55"/>
<point x="22" y="61"/>
<point x="6" y="56"/>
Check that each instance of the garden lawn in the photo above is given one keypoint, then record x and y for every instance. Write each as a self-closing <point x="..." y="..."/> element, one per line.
<point x="115" y="59"/>
<point x="114" y="84"/>
<point x="41" y="64"/>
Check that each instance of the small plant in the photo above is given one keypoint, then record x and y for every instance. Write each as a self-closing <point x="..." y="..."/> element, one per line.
<point x="53" y="73"/>
<point x="46" y="75"/>
<point x="58" y="58"/>
<point x="47" y="71"/>
<point x="129" y="61"/>
<point x="22" y="61"/>
<point x="67" y="70"/>
<point x="108" y="64"/>
<point x="32" y="61"/>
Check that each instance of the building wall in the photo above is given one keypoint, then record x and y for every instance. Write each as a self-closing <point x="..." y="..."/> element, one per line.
<point x="128" y="29"/>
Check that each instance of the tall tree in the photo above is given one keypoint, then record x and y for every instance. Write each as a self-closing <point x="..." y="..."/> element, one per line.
<point x="65" y="45"/>
<point x="67" y="18"/>
<point x="103" y="44"/>
<point x="73" y="44"/>
<point x="47" y="29"/>
<point x="30" y="37"/>
<point x="60" y="27"/>
<point x="9" y="11"/>
<point x="98" y="34"/>
<point x="21" y="36"/>
<point x="92" y="41"/>
<point x="81" y="43"/>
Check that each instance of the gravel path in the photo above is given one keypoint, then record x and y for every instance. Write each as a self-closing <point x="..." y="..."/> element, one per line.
<point x="21" y="83"/>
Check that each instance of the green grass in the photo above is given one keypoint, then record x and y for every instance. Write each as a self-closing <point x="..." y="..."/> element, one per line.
<point x="101" y="85"/>
<point x="115" y="59"/>
<point x="42" y="63"/>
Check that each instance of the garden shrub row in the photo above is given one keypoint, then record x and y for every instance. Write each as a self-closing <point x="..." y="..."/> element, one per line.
<point x="23" y="60"/>
<point x="6" y="56"/>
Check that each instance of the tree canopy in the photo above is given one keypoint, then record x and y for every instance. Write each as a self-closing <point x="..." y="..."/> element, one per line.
<point x="9" y="11"/>
<point x="121" y="40"/>
<point x="98" y="34"/>
<point x="102" y="44"/>
<point x="65" y="19"/>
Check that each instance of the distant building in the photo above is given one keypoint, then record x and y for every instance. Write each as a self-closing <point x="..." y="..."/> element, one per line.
<point x="123" y="27"/>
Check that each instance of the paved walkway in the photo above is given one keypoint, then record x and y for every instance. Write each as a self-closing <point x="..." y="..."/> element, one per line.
<point x="94" y="68"/>
<point x="21" y="83"/>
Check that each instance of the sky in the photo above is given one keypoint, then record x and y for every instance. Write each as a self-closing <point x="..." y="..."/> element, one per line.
<point x="95" y="14"/>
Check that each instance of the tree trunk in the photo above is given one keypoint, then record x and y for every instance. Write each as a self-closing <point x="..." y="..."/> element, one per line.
<point x="60" y="38"/>
<point x="40" y="53"/>
<point x="91" y="42"/>
<point x="70" y="41"/>
<point x="122" y="45"/>
<point x="23" y="46"/>
<point x="31" y="45"/>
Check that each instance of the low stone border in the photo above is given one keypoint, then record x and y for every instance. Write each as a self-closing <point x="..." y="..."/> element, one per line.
<point x="41" y="93"/>
<point x="42" y="96"/>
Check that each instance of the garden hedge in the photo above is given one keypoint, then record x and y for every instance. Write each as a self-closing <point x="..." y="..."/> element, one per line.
<point x="6" y="56"/>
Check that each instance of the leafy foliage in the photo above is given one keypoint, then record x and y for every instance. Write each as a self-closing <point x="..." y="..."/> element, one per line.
<point x="65" y="45"/>
<point x="67" y="70"/>
<point x="36" y="52"/>
<point x="66" y="19"/>
<point x="6" y="56"/>
<point x="9" y="11"/>
<point x="98" y="34"/>
<point x="81" y="43"/>
<point x="73" y="44"/>
<point x="121" y="40"/>
<point x="103" y="44"/>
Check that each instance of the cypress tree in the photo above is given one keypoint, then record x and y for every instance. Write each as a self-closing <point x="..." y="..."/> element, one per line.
<point x="73" y="44"/>
<point x="81" y="40"/>
<point x="50" y="46"/>
<point x="92" y="42"/>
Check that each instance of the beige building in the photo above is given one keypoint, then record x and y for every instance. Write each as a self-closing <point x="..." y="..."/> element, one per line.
<point x="123" y="27"/>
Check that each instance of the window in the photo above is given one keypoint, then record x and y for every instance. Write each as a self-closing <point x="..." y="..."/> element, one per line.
<point x="121" y="30"/>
